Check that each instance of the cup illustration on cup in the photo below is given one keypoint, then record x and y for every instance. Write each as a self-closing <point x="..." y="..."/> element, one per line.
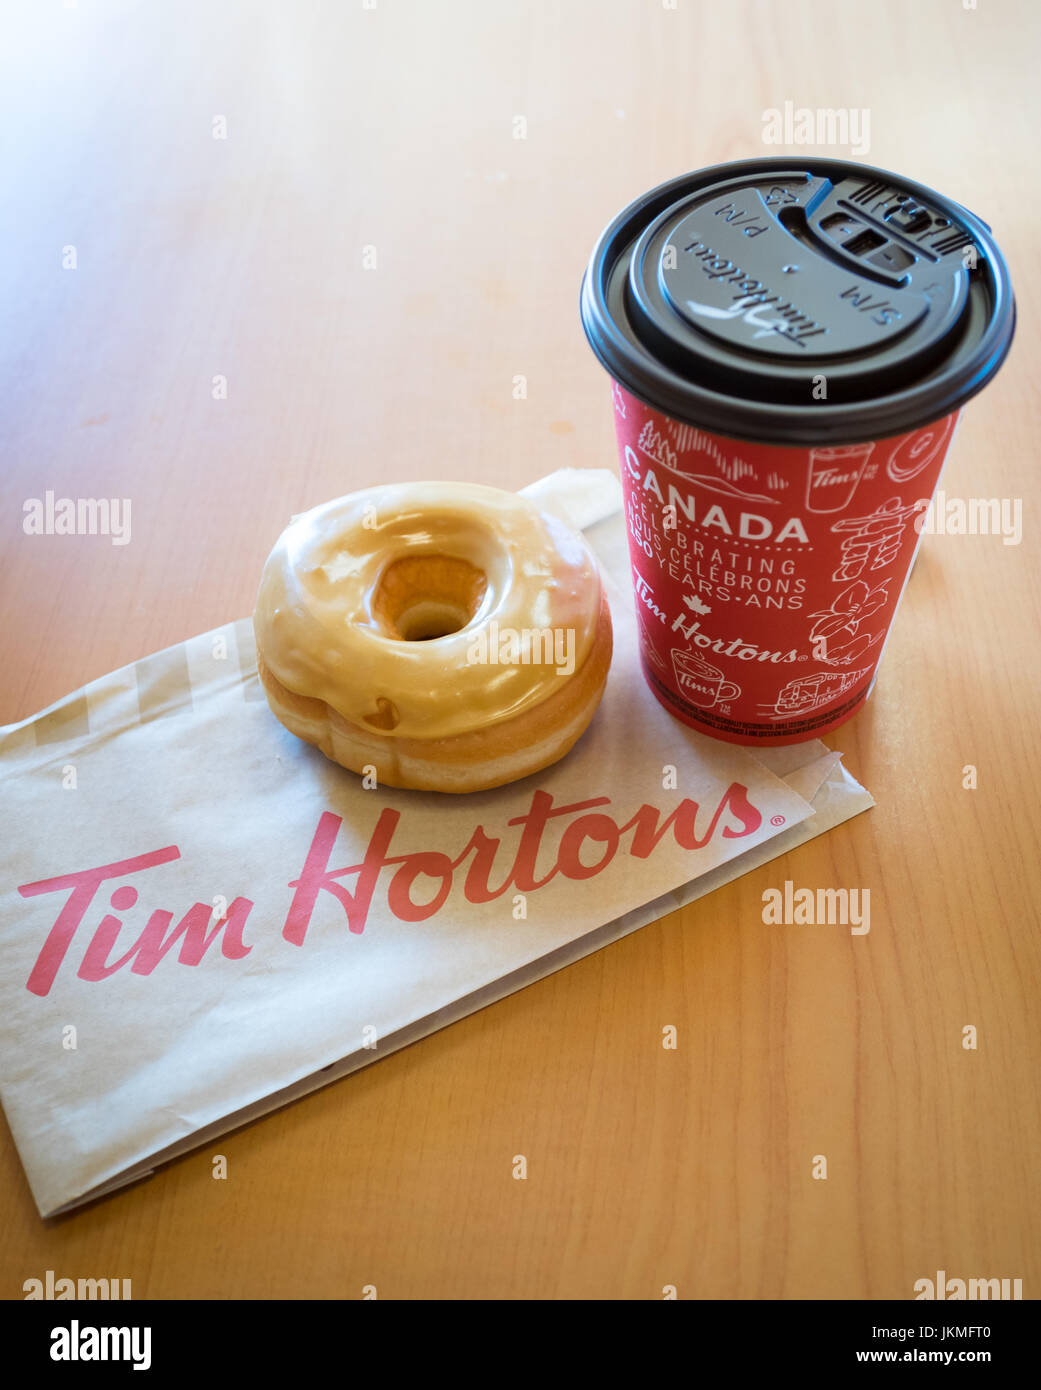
<point x="702" y="684"/>
<point x="834" y="475"/>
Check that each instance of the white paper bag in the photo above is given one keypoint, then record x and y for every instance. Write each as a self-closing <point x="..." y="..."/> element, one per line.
<point x="203" y="918"/>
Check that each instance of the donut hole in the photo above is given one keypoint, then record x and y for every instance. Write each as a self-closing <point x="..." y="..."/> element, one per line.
<point x="422" y="597"/>
<point x="426" y="621"/>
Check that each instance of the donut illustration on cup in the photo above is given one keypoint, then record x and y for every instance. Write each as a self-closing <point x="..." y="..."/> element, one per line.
<point x="910" y="455"/>
<point x="702" y="684"/>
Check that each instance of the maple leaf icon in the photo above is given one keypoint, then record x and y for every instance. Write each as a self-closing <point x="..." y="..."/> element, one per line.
<point x="692" y="601"/>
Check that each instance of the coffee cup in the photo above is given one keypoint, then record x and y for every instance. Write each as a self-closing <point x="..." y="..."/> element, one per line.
<point x="790" y="343"/>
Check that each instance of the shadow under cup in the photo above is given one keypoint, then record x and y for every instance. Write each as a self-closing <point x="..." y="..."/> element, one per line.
<point x="790" y="348"/>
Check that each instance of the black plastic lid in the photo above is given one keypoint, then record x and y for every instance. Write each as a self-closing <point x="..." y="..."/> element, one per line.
<point x="734" y="298"/>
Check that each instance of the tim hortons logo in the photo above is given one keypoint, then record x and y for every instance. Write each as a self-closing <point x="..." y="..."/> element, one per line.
<point x="417" y="888"/>
<point x="737" y="646"/>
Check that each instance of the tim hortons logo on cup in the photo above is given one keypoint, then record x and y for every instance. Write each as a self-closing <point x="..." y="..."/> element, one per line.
<point x="735" y="646"/>
<point x="105" y="952"/>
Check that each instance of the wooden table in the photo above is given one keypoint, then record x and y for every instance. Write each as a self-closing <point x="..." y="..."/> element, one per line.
<point x="384" y="136"/>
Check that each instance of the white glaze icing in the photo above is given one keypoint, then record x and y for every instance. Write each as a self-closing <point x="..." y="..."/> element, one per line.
<point x="318" y="623"/>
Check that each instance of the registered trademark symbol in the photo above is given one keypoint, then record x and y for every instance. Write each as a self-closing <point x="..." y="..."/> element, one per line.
<point x="803" y="656"/>
<point x="776" y="820"/>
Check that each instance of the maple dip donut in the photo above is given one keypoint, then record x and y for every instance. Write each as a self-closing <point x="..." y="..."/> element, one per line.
<point x="449" y="636"/>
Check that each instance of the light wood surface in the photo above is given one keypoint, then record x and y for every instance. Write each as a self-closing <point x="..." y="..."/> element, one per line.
<point x="393" y="127"/>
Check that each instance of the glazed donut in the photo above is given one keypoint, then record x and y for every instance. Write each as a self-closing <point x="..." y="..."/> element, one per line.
<point x="450" y="636"/>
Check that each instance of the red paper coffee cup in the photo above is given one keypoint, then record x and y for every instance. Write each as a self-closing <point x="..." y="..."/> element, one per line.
<point x="790" y="347"/>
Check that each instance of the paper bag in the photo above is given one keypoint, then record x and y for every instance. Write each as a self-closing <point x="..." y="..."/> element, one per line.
<point x="202" y="917"/>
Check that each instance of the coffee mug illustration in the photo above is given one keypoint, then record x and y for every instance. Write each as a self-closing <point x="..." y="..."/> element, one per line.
<point x="702" y="684"/>
<point x="834" y="475"/>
